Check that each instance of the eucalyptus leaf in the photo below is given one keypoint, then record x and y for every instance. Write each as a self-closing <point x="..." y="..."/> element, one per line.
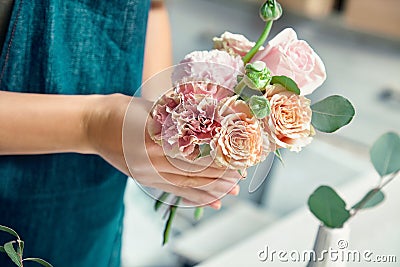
<point x="286" y="82"/>
<point x="332" y="113"/>
<point x="40" y="261"/>
<point x="371" y="199"/>
<point x="12" y="254"/>
<point x="385" y="154"/>
<point x="9" y="230"/>
<point x="328" y="207"/>
<point x="198" y="213"/>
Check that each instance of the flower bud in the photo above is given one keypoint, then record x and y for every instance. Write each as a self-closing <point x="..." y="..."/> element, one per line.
<point x="270" y="10"/>
<point x="259" y="105"/>
<point x="257" y="75"/>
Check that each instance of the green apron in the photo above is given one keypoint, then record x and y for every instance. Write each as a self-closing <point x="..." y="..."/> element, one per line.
<point x="68" y="208"/>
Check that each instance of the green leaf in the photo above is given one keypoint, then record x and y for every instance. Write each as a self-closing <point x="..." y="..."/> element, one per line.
<point x="371" y="199"/>
<point x="385" y="154"/>
<point x="286" y="82"/>
<point x="328" y="207"/>
<point x="2" y="249"/>
<point x="332" y="113"/>
<point x="260" y="106"/>
<point x="9" y="248"/>
<point x="198" y="213"/>
<point x="40" y="261"/>
<point x="205" y="150"/>
<point x="9" y="230"/>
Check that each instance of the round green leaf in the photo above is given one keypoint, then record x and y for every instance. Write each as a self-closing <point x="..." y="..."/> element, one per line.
<point x="286" y="82"/>
<point x="328" y="207"/>
<point x="385" y="154"/>
<point x="371" y="199"/>
<point x="332" y="113"/>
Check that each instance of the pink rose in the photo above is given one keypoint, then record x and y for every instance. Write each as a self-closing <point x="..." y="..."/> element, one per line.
<point x="213" y="66"/>
<point x="240" y="142"/>
<point x="289" y="123"/>
<point x="286" y="55"/>
<point x="234" y="44"/>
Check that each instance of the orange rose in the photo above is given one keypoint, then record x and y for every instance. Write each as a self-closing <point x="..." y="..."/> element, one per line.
<point x="289" y="123"/>
<point x="240" y="142"/>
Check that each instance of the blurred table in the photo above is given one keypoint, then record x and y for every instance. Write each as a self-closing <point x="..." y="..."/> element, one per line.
<point x="376" y="230"/>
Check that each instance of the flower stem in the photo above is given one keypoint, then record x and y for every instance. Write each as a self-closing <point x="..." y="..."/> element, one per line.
<point x="375" y="191"/>
<point x="160" y="200"/>
<point x="168" y="225"/>
<point x="264" y="35"/>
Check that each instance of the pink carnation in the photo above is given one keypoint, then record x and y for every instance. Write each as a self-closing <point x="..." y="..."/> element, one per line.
<point x="209" y="66"/>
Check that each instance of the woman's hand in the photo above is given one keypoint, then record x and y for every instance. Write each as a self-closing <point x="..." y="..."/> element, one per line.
<point x="110" y="133"/>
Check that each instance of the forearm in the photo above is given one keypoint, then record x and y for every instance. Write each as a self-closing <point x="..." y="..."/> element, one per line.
<point x="39" y="124"/>
<point x="158" y="53"/>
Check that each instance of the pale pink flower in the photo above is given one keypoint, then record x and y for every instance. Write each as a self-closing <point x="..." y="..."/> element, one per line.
<point x="240" y="142"/>
<point x="234" y="44"/>
<point x="196" y="120"/>
<point x="161" y="116"/>
<point x="190" y="89"/>
<point x="289" y="124"/>
<point x="209" y="66"/>
<point x="286" y="55"/>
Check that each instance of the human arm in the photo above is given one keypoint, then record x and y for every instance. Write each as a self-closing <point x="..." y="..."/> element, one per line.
<point x="93" y="124"/>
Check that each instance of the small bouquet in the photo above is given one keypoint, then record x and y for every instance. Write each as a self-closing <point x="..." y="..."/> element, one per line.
<point x="241" y="101"/>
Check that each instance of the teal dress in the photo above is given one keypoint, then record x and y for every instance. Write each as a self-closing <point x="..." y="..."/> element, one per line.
<point x="68" y="208"/>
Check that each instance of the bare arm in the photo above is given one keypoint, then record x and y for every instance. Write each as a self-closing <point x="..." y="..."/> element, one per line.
<point x="158" y="53"/>
<point x="39" y="123"/>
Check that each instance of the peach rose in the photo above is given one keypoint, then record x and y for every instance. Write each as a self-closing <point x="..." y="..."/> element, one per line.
<point x="289" y="123"/>
<point x="234" y="44"/>
<point x="240" y="142"/>
<point x="286" y="55"/>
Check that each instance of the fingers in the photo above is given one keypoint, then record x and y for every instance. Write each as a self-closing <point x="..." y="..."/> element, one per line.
<point x="206" y="184"/>
<point x="199" y="197"/>
<point x="176" y="166"/>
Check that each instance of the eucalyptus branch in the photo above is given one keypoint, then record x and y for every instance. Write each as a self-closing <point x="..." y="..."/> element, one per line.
<point x="374" y="191"/>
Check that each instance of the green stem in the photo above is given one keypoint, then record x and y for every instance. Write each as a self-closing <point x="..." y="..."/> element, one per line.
<point x="160" y="200"/>
<point x="375" y="191"/>
<point x="246" y="59"/>
<point x="171" y="216"/>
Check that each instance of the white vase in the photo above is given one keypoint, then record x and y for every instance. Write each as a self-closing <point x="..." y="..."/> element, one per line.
<point x="329" y="245"/>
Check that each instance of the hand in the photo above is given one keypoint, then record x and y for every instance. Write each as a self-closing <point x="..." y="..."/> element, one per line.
<point x="111" y="132"/>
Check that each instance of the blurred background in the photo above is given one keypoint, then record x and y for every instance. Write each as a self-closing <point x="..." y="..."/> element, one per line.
<point x="359" y="42"/>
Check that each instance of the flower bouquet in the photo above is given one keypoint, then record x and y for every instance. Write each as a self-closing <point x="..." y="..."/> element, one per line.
<point x="236" y="104"/>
